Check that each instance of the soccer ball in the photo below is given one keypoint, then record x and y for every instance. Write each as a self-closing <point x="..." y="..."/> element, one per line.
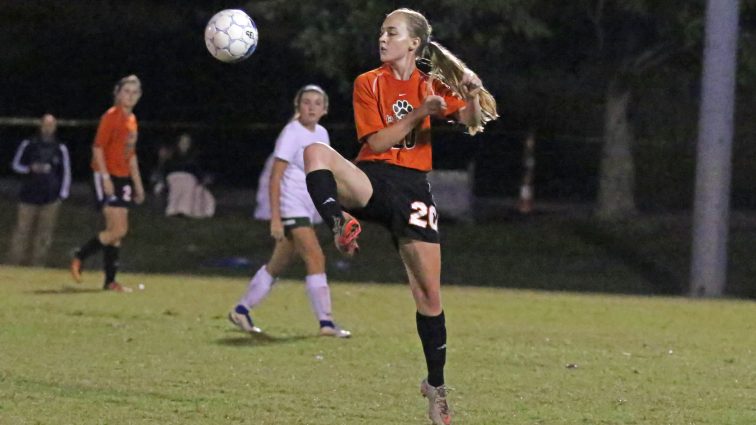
<point x="231" y="35"/>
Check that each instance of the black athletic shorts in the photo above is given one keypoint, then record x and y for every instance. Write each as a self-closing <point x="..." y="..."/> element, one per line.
<point x="401" y="201"/>
<point x="291" y="223"/>
<point x="123" y="192"/>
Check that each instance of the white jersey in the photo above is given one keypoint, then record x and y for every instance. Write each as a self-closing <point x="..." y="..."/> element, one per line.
<point x="295" y="200"/>
<point x="262" y="197"/>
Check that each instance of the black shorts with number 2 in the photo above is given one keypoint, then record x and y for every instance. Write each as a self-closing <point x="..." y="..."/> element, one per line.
<point x="123" y="192"/>
<point x="401" y="201"/>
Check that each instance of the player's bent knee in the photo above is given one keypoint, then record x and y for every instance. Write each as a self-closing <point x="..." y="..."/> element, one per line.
<point x="119" y="233"/>
<point x="316" y="156"/>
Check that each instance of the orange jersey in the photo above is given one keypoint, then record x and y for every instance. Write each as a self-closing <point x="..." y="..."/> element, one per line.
<point x="117" y="137"/>
<point x="380" y="100"/>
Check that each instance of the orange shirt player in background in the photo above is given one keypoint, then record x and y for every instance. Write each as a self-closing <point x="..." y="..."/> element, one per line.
<point x="117" y="181"/>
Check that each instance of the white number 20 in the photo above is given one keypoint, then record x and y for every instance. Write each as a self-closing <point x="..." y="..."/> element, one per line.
<point x="424" y="215"/>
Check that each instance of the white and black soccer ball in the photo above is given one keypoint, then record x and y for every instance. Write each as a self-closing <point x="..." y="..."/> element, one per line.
<point x="231" y="35"/>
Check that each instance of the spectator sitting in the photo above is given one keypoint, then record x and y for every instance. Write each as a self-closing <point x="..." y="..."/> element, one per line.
<point x="157" y="177"/>
<point x="187" y="194"/>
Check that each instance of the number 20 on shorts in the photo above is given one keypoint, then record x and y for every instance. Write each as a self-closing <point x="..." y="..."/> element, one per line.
<point x="424" y="215"/>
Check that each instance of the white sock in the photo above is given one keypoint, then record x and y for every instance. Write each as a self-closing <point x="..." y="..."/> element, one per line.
<point x="258" y="289"/>
<point x="320" y="295"/>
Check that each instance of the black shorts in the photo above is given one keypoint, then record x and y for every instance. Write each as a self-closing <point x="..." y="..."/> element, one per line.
<point x="291" y="223"/>
<point x="123" y="192"/>
<point x="401" y="201"/>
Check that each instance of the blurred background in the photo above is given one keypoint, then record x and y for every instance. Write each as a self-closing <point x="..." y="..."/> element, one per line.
<point x="553" y="67"/>
<point x="608" y="91"/>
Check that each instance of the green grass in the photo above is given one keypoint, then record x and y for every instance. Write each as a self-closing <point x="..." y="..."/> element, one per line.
<point x="76" y="355"/>
<point x="647" y="255"/>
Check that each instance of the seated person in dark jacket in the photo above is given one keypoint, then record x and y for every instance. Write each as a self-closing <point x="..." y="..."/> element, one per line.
<point x="185" y="180"/>
<point x="184" y="158"/>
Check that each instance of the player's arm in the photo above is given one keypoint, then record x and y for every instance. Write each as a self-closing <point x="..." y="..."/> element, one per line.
<point x="99" y="159"/>
<point x="470" y="114"/>
<point x="136" y="177"/>
<point x="274" y="190"/>
<point x="371" y="128"/>
<point x="104" y="130"/>
<point x="382" y="140"/>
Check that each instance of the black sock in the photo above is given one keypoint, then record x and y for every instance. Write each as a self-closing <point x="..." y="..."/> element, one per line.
<point x="89" y="248"/>
<point x="322" y="188"/>
<point x="111" y="263"/>
<point x="432" y="331"/>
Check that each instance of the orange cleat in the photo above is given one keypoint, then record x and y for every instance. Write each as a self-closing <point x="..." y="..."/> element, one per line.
<point x="345" y="235"/>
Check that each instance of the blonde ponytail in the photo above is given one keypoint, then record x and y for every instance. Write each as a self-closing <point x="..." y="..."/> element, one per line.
<point x="449" y="69"/>
<point x="444" y="66"/>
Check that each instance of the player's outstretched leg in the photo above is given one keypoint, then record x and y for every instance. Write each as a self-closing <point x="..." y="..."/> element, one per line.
<point x="110" y="264"/>
<point x="80" y="254"/>
<point x="321" y="185"/>
<point x="320" y="300"/>
<point x="258" y="289"/>
<point x="345" y="232"/>
<point x="240" y="317"/>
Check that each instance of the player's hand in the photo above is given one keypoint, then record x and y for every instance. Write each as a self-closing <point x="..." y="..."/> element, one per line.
<point x="138" y="195"/>
<point x="40" y="168"/>
<point x="471" y="85"/>
<point x="434" y="105"/>
<point x="107" y="187"/>
<point x="276" y="230"/>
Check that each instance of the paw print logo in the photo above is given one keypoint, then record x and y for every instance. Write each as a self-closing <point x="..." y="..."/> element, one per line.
<point x="402" y="108"/>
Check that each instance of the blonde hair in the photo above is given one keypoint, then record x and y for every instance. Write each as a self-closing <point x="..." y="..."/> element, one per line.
<point x="314" y="88"/>
<point x="445" y="66"/>
<point x="129" y="79"/>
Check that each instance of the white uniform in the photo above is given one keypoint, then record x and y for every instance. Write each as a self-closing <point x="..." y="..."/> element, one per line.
<point x="262" y="197"/>
<point x="295" y="200"/>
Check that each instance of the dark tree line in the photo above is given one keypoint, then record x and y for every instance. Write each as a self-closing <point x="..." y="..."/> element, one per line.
<point x="622" y="71"/>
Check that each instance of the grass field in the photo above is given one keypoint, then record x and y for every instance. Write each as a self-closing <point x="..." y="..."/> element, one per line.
<point x="75" y="355"/>
<point x="647" y="255"/>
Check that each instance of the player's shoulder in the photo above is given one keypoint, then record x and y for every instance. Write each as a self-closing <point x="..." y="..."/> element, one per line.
<point x="373" y="73"/>
<point x="111" y="112"/>
<point x="321" y="131"/>
<point x="369" y="77"/>
<point x="320" y="128"/>
<point x="291" y="126"/>
<point x="290" y="131"/>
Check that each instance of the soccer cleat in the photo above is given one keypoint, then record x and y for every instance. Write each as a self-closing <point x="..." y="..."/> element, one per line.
<point x="76" y="269"/>
<point x="117" y="287"/>
<point x="240" y="317"/>
<point x="345" y="232"/>
<point x="334" y="331"/>
<point x="438" y="407"/>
